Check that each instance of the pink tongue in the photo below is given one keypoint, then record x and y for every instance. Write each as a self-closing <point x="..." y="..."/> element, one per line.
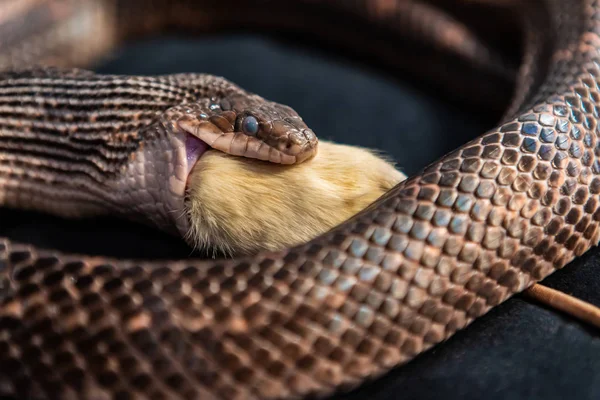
<point x="194" y="149"/>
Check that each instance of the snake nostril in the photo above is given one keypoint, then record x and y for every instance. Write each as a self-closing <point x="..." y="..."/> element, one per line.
<point x="309" y="136"/>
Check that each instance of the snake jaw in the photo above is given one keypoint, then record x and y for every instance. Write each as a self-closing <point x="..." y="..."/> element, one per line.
<point x="234" y="143"/>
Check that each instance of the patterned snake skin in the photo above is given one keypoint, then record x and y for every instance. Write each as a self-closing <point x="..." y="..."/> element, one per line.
<point x="441" y="249"/>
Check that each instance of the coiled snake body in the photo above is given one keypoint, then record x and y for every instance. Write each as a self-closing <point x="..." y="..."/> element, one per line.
<point x="483" y="223"/>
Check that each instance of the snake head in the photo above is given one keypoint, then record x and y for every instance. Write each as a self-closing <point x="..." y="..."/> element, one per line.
<point x="249" y="126"/>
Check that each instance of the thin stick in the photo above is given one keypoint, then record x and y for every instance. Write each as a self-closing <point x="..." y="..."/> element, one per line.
<point x="579" y="309"/>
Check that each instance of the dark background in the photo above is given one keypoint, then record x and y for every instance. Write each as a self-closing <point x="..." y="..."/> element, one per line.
<point x="520" y="350"/>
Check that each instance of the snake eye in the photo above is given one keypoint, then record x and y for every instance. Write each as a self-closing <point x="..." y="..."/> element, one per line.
<point x="250" y="125"/>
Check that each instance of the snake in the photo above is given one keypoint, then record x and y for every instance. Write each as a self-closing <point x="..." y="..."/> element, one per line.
<point x="483" y="223"/>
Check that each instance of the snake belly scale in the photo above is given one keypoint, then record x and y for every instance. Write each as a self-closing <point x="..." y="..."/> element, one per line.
<point x="439" y="250"/>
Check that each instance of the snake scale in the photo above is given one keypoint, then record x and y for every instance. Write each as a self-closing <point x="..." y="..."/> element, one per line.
<point x="438" y="251"/>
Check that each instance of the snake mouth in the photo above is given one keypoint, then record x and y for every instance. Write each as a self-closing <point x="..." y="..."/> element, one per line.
<point x="236" y="143"/>
<point x="194" y="149"/>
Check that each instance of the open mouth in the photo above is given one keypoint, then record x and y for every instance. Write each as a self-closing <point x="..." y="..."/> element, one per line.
<point x="194" y="148"/>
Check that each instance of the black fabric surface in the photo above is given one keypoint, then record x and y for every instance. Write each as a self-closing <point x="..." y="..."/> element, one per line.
<point x="520" y="350"/>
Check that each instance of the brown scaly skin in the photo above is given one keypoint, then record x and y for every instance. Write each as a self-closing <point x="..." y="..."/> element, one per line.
<point x="439" y="250"/>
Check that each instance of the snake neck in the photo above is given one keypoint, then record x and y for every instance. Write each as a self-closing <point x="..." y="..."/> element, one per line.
<point x="149" y="188"/>
<point x="152" y="187"/>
